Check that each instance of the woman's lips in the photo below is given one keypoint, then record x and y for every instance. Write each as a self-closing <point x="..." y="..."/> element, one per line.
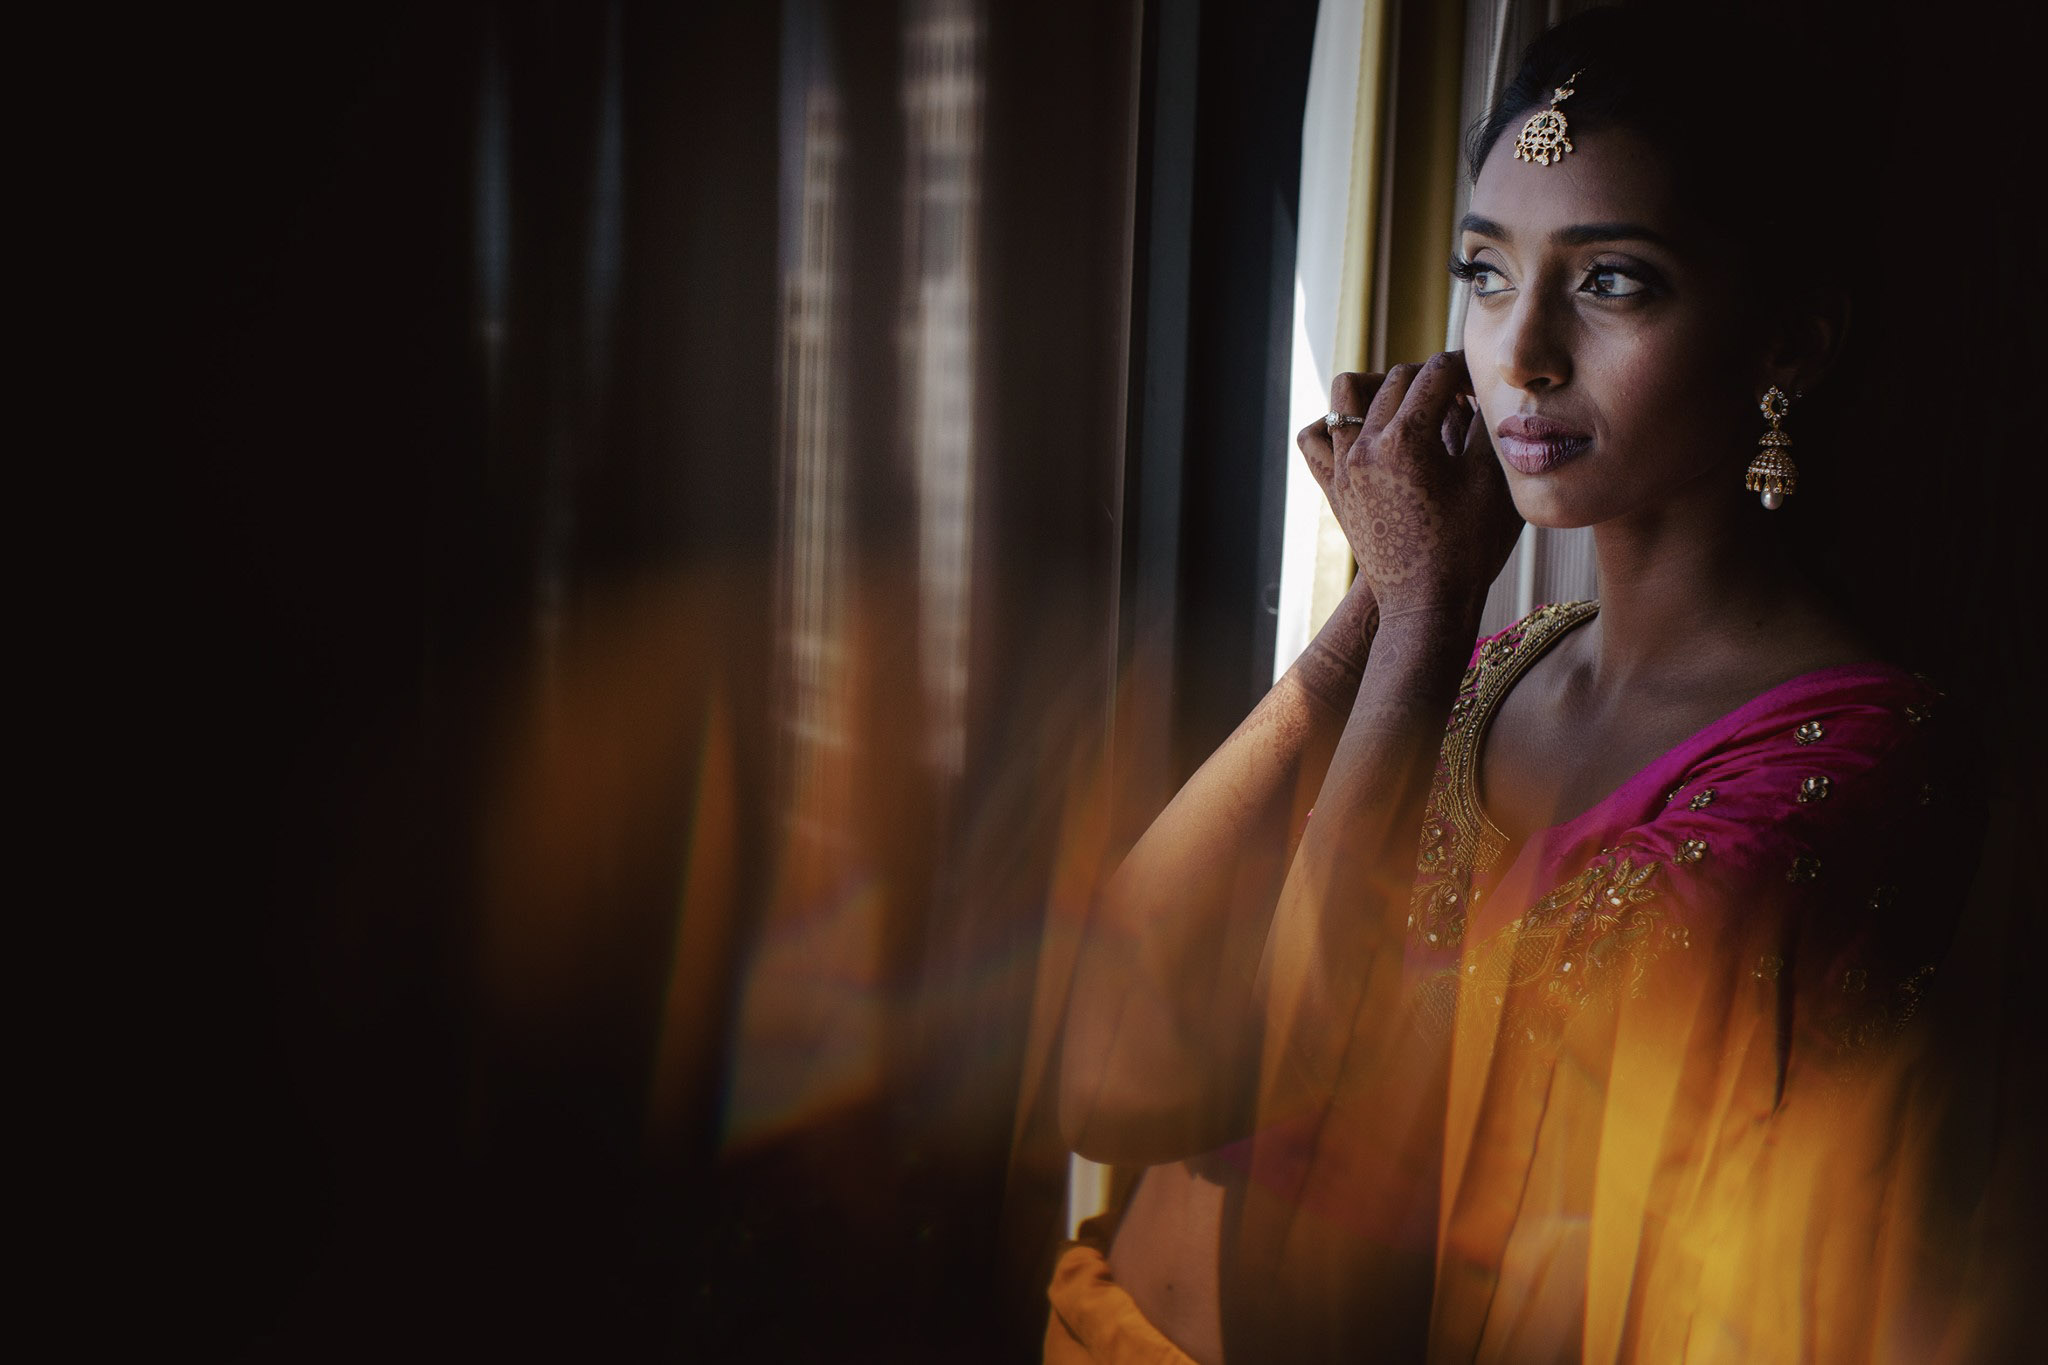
<point x="1537" y="445"/>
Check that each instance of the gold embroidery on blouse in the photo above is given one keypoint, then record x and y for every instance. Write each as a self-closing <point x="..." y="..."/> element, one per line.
<point x="1702" y="801"/>
<point x="1814" y="789"/>
<point x="1805" y="868"/>
<point x="1810" y="733"/>
<point x="1692" y="850"/>
<point x="1432" y="847"/>
<point x="1620" y="885"/>
<point x="1458" y="843"/>
<point x="1597" y="934"/>
<point x="1916" y="712"/>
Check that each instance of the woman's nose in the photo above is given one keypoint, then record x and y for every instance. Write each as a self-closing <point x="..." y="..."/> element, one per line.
<point x="1535" y="352"/>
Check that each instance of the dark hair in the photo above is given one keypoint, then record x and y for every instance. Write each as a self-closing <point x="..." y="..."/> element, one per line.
<point x="1739" y="106"/>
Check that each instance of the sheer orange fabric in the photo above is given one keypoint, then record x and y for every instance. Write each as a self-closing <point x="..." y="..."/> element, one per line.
<point x="1640" y="1089"/>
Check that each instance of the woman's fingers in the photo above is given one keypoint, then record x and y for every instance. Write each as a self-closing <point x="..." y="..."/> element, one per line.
<point x="1418" y="408"/>
<point x="1486" y="487"/>
<point x="1432" y="397"/>
<point x="1392" y="393"/>
<point x="1457" y="422"/>
<point x="1351" y="395"/>
<point x="1373" y="399"/>
<point x="1422" y="500"/>
<point x="1313" y="441"/>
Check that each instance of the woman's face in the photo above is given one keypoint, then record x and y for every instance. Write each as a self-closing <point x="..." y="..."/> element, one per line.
<point x="1610" y="354"/>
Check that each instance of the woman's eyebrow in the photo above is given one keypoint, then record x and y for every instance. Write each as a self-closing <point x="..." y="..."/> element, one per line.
<point x="1586" y="233"/>
<point x="1581" y="234"/>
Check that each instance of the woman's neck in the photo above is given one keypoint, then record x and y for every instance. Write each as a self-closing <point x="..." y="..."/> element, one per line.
<point x="1686" y="590"/>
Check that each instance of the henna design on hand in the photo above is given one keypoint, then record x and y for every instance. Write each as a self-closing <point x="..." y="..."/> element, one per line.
<point x="1403" y="531"/>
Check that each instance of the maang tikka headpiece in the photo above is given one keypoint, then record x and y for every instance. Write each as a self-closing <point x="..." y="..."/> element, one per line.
<point x="1543" y="137"/>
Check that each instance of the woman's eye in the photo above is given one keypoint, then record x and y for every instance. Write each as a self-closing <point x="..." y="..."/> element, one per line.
<point x="1486" y="280"/>
<point x="1612" y="284"/>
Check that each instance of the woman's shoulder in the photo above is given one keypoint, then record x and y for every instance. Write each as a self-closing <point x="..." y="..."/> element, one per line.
<point x="1790" y="769"/>
<point x="1831" y="671"/>
<point x="1835" y="782"/>
<point x="1823" y="742"/>
<point x="1531" y="634"/>
<point x="1784" y="763"/>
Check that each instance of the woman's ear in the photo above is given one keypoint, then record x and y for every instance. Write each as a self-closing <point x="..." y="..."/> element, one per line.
<point x="1808" y="341"/>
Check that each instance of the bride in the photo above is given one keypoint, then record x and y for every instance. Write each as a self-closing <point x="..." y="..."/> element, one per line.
<point x="1543" y="997"/>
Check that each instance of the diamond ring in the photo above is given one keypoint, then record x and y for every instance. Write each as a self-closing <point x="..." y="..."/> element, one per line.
<point x="1342" y="419"/>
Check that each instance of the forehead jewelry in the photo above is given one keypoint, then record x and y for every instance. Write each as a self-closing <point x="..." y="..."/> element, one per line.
<point x="1543" y="137"/>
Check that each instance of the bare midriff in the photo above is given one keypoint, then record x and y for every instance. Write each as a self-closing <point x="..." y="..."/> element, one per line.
<point x="1165" y="1257"/>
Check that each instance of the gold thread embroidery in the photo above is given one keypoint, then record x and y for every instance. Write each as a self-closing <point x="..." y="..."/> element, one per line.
<point x="1458" y="843"/>
<point x="1814" y="789"/>
<point x="1599" y="933"/>
<point x="1810" y="733"/>
<point x="1702" y="801"/>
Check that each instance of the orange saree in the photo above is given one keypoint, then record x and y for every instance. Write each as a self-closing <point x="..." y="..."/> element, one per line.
<point x="1641" y="1088"/>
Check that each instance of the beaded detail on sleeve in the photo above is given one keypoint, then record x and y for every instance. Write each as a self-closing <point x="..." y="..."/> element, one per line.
<point x="1459" y="844"/>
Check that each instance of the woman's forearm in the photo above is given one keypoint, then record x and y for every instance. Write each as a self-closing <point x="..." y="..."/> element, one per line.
<point x="1155" y="1062"/>
<point x="1337" y="933"/>
<point x="1329" y="670"/>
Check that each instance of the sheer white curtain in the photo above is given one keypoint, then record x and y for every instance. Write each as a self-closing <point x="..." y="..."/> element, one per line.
<point x="1339" y="182"/>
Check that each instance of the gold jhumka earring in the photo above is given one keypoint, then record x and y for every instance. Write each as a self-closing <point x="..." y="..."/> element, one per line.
<point x="1772" y="472"/>
<point x="1543" y="137"/>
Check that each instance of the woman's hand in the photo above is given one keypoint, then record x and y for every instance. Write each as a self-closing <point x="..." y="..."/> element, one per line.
<point x="1415" y="486"/>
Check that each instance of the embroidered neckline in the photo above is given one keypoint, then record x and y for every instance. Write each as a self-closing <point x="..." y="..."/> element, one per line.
<point x="1459" y="842"/>
<point x="1539" y="631"/>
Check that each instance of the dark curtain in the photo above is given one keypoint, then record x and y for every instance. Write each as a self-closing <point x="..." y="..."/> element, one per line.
<point x="608" y="713"/>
